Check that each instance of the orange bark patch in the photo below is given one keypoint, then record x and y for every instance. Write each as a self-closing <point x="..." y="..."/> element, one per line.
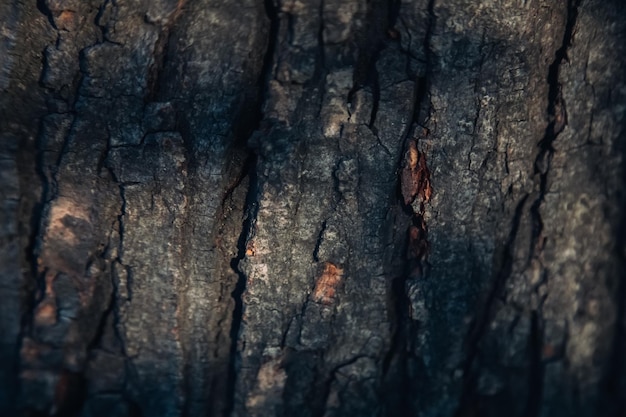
<point x="65" y="238"/>
<point x="250" y="249"/>
<point x="415" y="180"/>
<point x="46" y="314"/>
<point x="61" y="215"/>
<point x="326" y="285"/>
<point x="67" y="20"/>
<point x="46" y="311"/>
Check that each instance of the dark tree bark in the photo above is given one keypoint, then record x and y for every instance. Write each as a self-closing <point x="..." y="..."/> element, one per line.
<point x="312" y="208"/>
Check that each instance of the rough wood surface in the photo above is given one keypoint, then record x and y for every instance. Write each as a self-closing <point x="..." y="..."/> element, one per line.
<point x="313" y="208"/>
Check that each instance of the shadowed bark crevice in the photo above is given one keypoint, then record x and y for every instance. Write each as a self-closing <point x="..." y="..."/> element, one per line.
<point x="557" y="120"/>
<point x="247" y="232"/>
<point x="251" y="203"/>
<point x="468" y="399"/>
<point x="413" y="191"/>
<point x="535" y="377"/>
<point x="557" y="116"/>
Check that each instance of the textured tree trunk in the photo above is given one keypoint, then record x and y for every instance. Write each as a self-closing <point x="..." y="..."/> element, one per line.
<point x="312" y="208"/>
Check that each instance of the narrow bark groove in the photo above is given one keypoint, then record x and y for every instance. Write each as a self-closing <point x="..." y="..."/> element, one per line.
<point x="251" y="205"/>
<point x="483" y="317"/>
<point x="557" y="120"/>
<point x="413" y="192"/>
<point x="615" y="381"/>
<point x="535" y="379"/>
<point x="557" y="116"/>
<point x="247" y="232"/>
<point x="271" y="11"/>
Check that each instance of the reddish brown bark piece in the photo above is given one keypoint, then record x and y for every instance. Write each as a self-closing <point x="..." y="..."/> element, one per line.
<point x="415" y="180"/>
<point x="326" y="285"/>
<point x="418" y="244"/>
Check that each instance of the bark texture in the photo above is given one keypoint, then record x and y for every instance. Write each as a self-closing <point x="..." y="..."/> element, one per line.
<point x="312" y="207"/>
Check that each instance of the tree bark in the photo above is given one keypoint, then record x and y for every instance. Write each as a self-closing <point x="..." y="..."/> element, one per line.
<point x="313" y="208"/>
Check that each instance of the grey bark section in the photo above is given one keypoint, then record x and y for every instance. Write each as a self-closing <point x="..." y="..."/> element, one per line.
<point x="312" y="207"/>
<point x="130" y="166"/>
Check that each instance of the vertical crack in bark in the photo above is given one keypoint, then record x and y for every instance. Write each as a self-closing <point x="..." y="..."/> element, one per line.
<point x="250" y="213"/>
<point x="535" y="377"/>
<point x="104" y="29"/>
<point x="557" y="120"/>
<point x="480" y="323"/>
<point x="155" y="72"/>
<point x="45" y="10"/>
<point x="413" y="184"/>
<point x="271" y="10"/>
<point x="162" y="50"/>
<point x="111" y="309"/>
<point x="320" y="59"/>
<point x="613" y="384"/>
<point x="318" y="243"/>
<point x="251" y="205"/>
<point x="36" y="223"/>
<point x="115" y="297"/>
<point x="375" y="96"/>
<point x="121" y="232"/>
<point x="370" y="45"/>
<point x="422" y="82"/>
<point x="72" y="383"/>
<point x="32" y="191"/>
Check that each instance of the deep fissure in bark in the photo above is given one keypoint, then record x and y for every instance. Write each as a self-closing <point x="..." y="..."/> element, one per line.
<point x="535" y="377"/>
<point x="36" y="216"/>
<point x="251" y="204"/>
<point x="155" y="72"/>
<point x="271" y="10"/>
<point x="71" y="390"/>
<point x="416" y="240"/>
<point x="318" y="242"/>
<point x="613" y="383"/>
<point x="163" y="48"/>
<point x="32" y="210"/>
<point x="557" y="115"/>
<point x="482" y="319"/>
<point x="103" y="28"/>
<point x="371" y="42"/>
<point x="250" y="213"/>
<point x="45" y="10"/>
<point x="320" y="58"/>
<point x="557" y="119"/>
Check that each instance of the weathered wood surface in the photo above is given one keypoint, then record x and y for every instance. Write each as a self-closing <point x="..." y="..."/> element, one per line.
<point x="312" y="208"/>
